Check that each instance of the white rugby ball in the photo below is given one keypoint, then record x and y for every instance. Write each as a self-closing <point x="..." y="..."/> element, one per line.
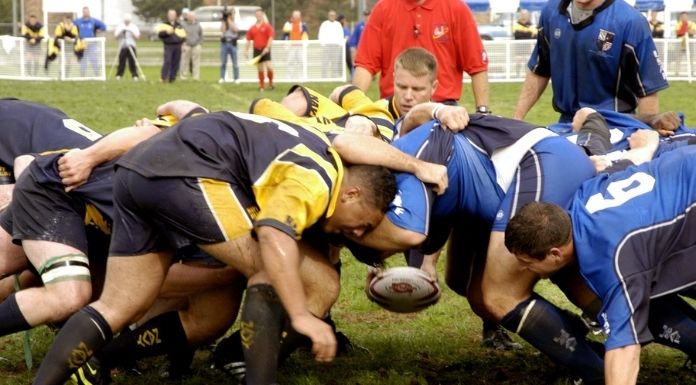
<point x="403" y="290"/>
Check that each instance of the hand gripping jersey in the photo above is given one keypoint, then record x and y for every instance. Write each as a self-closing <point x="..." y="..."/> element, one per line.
<point x="634" y="238"/>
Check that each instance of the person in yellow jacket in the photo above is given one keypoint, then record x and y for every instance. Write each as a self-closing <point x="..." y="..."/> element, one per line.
<point x="173" y="35"/>
<point x="523" y="28"/>
<point x="68" y="33"/>
<point x="33" y="32"/>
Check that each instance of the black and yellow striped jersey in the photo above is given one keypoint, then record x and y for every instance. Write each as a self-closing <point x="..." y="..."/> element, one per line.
<point x="289" y="169"/>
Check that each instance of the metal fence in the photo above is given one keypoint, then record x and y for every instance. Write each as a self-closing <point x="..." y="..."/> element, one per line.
<point x="294" y="62"/>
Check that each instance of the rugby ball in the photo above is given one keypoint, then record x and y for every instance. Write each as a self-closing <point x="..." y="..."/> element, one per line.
<point x="403" y="290"/>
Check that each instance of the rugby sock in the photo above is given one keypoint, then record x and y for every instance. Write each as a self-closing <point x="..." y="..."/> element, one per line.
<point x="671" y="323"/>
<point x="270" y="78"/>
<point x="11" y="318"/>
<point x="261" y="80"/>
<point x="163" y="334"/>
<point x="414" y="258"/>
<point x="262" y="321"/>
<point x="558" y="334"/>
<point x="84" y="333"/>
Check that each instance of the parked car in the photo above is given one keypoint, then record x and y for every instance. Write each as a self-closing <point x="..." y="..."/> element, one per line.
<point x="210" y="17"/>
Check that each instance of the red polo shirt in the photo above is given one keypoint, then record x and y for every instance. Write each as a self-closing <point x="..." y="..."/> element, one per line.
<point x="260" y="34"/>
<point x="446" y="28"/>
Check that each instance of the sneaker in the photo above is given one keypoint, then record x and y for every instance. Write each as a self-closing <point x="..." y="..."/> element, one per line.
<point x="135" y="78"/>
<point x="271" y="88"/>
<point x="228" y="357"/>
<point x="260" y="89"/>
<point x="118" y="78"/>
<point x="221" y="81"/>
<point x="344" y="345"/>
<point x="497" y="338"/>
<point x="236" y="81"/>
<point x="90" y="374"/>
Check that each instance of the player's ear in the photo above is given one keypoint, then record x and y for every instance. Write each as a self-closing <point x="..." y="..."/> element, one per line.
<point x="555" y="255"/>
<point x="351" y="193"/>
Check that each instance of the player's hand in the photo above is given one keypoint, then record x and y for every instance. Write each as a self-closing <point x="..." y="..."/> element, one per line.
<point x="177" y="108"/>
<point x="665" y="123"/>
<point x="600" y="162"/>
<point x="321" y="334"/>
<point x="372" y="273"/>
<point x="455" y="118"/>
<point x="434" y="174"/>
<point x="74" y="168"/>
<point x="144" y="122"/>
<point x="358" y="124"/>
<point x="644" y="138"/>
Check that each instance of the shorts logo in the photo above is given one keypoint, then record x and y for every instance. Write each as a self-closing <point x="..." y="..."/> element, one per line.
<point x="566" y="340"/>
<point x="440" y="33"/>
<point x="557" y="33"/>
<point x="605" y="40"/>
<point x="670" y="334"/>
<point x="499" y="215"/>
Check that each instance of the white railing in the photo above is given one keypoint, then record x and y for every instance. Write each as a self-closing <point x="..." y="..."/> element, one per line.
<point x="19" y="60"/>
<point x="293" y="62"/>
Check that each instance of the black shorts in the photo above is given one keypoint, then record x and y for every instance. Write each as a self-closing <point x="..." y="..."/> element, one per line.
<point x="155" y="214"/>
<point x="45" y="212"/>
<point x="265" y="57"/>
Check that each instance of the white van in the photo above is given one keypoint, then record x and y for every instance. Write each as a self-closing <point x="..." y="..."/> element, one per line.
<point x="210" y="17"/>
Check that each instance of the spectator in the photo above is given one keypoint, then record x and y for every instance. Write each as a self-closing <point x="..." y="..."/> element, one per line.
<point x="332" y="41"/>
<point x="684" y="27"/>
<point x="33" y="32"/>
<point x="230" y="35"/>
<point x="88" y="27"/>
<point x="355" y="36"/>
<point x="610" y="63"/>
<point x="191" y="49"/>
<point x="656" y="26"/>
<point x="446" y="28"/>
<point x="261" y="37"/>
<point x="296" y="31"/>
<point x="346" y="35"/>
<point x="523" y="29"/>
<point x="172" y="35"/>
<point x="67" y="35"/>
<point x="127" y="33"/>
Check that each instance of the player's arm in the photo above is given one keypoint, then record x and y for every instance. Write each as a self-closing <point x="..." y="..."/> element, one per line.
<point x="534" y="85"/>
<point x="621" y="365"/>
<point x="649" y="112"/>
<point x="21" y="163"/>
<point x="363" y="149"/>
<point x="391" y="238"/>
<point x="362" y="78"/>
<point x="76" y="165"/>
<point x="454" y="118"/>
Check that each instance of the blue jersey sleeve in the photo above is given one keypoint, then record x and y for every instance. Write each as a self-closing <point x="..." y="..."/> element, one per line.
<point x="410" y="209"/>
<point x="640" y="62"/>
<point x="539" y="60"/>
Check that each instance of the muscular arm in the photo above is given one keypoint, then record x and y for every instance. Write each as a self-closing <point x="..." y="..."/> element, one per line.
<point x="621" y="365"/>
<point x="76" y="166"/>
<point x="649" y="112"/>
<point x="479" y="84"/>
<point x="363" y="149"/>
<point x="391" y="238"/>
<point x="362" y="78"/>
<point x="534" y="85"/>
<point x="454" y="118"/>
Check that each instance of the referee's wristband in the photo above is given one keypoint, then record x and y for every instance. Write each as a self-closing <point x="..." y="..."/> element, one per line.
<point x="436" y="109"/>
<point x="483" y="110"/>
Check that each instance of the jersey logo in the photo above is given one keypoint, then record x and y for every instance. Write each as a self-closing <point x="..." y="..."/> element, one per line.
<point x="556" y="33"/>
<point x="605" y="40"/>
<point x="440" y="33"/>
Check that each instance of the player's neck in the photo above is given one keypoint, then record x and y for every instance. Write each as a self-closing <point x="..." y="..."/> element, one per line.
<point x="588" y="5"/>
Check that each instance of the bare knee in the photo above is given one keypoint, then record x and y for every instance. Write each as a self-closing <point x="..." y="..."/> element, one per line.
<point x="66" y="299"/>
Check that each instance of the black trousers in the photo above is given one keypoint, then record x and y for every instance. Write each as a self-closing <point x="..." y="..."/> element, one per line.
<point x="172" y="58"/>
<point x="125" y="55"/>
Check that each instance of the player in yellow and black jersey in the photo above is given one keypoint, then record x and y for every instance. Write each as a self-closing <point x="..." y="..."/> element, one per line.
<point x="210" y="180"/>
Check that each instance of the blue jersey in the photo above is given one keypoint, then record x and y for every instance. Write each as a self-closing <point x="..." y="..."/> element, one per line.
<point x="89" y="27"/>
<point x="634" y="236"/>
<point x="606" y="62"/>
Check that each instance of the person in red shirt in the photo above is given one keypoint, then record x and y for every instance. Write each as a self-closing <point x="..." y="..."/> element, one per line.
<point x="261" y="34"/>
<point x="446" y="28"/>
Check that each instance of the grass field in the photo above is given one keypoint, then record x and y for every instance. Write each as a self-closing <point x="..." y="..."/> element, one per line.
<point x="437" y="346"/>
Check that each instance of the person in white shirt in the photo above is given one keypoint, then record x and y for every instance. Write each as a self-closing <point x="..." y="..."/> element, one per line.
<point x="332" y="41"/>
<point x="127" y="33"/>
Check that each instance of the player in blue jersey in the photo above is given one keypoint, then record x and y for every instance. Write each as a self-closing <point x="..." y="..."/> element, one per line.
<point x="599" y="54"/>
<point x="632" y="235"/>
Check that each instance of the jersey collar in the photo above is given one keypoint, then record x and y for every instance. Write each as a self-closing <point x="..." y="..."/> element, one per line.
<point x="411" y="4"/>
<point x="563" y="10"/>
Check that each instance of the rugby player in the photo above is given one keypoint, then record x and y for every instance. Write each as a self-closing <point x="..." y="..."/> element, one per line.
<point x="311" y="177"/>
<point x="630" y="233"/>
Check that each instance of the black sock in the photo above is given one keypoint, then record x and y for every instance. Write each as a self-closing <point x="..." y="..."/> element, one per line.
<point x="262" y="321"/>
<point x="594" y="136"/>
<point x="414" y="257"/>
<point x="558" y="334"/>
<point x="163" y="334"/>
<point x="84" y="333"/>
<point x="11" y="318"/>
<point x="671" y="324"/>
